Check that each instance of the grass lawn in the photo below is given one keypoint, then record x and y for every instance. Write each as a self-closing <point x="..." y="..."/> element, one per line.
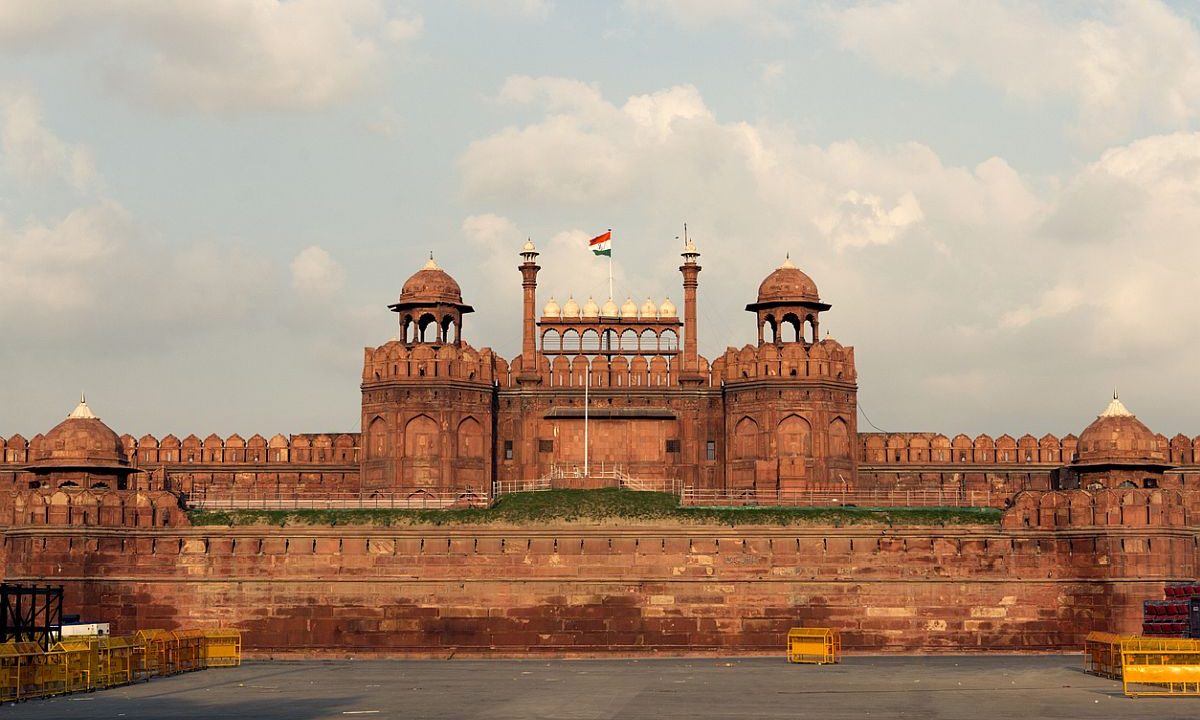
<point x="602" y="506"/>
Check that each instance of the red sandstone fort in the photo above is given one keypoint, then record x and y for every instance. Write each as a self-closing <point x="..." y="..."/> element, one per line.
<point x="1092" y="525"/>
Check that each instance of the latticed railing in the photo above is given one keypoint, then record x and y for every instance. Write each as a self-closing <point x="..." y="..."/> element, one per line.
<point x="836" y="498"/>
<point x="412" y="499"/>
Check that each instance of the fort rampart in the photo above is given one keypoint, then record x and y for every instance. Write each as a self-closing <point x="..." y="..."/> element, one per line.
<point x="1059" y="566"/>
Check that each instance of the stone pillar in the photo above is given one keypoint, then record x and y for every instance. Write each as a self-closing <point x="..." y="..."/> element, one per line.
<point x="691" y="272"/>
<point x="529" y="374"/>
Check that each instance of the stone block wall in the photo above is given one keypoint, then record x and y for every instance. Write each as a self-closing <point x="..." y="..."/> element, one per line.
<point x="434" y="592"/>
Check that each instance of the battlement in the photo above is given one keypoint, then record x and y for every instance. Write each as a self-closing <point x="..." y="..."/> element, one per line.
<point x="306" y="448"/>
<point x="937" y="449"/>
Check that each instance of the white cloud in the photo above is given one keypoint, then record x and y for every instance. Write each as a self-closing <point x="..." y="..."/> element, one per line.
<point x="1054" y="302"/>
<point x="221" y="55"/>
<point x="763" y="16"/>
<point x="58" y="267"/>
<point x="33" y="154"/>
<point x="315" y="272"/>
<point x="1126" y="62"/>
<point x="934" y="267"/>
<point x="858" y="220"/>
<point x="772" y="72"/>
<point x="531" y="9"/>
<point x="405" y="28"/>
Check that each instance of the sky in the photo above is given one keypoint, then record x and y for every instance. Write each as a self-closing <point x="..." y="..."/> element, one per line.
<point x="207" y="205"/>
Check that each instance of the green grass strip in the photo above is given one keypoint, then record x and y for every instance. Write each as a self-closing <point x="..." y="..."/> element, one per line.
<point x="609" y="504"/>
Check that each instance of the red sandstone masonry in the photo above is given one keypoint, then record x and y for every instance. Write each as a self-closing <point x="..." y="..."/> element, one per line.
<point x="587" y="591"/>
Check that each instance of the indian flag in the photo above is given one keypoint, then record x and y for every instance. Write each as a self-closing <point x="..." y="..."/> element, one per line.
<point x="602" y="244"/>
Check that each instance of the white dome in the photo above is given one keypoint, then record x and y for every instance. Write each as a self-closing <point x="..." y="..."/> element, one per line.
<point x="649" y="310"/>
<point x="667" y="309"/>
<point x="590" y="309"/>
<point x="552" y="309"/>
<point x="609" y="310"/>
<point x="571" y="309"/>
<point x="629" y="310"/>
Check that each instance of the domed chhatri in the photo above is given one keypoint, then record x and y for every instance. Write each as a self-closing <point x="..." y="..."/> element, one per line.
<point x="649" y="310"/>
<point x="667" y="309"/>
<point x="431" y="307"/>
<point x="552" y="310"/>
<point x="431" y="284"/>
<point x="789" y="284"/>
<point x="1117" y="436"/>
<point x="571" y="309"/>
<point x="609" y="310"/>
<point x="629" y="310"/>
<point x="788" y="298"/>
<point x="590" y="309"/>
<point x="81" y="451"/>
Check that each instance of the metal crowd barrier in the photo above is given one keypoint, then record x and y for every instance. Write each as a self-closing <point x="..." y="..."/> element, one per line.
<point x="1161" y="671"/>
<point x="80" y="664"/>
<point x="1145" y="665"/>
<point x="1102" y="654"/>
<point x="814" y="645"/>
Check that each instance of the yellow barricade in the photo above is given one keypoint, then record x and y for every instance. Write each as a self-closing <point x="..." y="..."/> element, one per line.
<point x="79" y="661"/>
<point x="1161" y="671"/>
<point x="20" y="664"/>
<point x="189" y="650"/>
<point x="222" y="647"/>
<point x="159" y="654"/>
<point x="79" y="664"/>
<point x="119" y="658"/>
<point x="1102" y="654"/>
<point x="814" y="645"/>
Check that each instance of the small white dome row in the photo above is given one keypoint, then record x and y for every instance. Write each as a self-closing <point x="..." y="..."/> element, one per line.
<point x="627" y="311"/>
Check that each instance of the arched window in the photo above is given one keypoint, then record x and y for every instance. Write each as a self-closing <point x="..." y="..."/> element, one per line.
<point x="745" y="439"/>
<point x="421" y="438"/>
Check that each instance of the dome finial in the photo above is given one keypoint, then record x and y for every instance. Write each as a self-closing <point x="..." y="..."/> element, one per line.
<point x="430" y="264"/>
<point x="1116" y="408"/>
<point x="787" y="261"/>
<point x="82" y="411"/>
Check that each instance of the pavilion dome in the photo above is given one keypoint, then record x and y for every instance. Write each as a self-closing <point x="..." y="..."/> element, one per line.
<point x="788" y="284"/>
<point x="431" y="285"/>
<point x="590" y="309"/>
<point x="552" y="309"/>
<point x="629" y="309"/>
<point x="1116" y="435"/>
<point x="81" y="441"/>
<point x="667" y="309"/>
<point x="649" y="310"/>
<point x="571" y="309"/>
<point x="610" y="309"/>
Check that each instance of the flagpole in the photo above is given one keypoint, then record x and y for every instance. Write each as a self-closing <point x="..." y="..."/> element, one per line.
<point x="610" y="287"/>
<point x="587" y="384"/>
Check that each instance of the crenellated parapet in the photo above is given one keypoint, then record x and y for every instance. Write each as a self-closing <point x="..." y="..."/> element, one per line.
<point x="825" y="359"/>
<point x="1126" y="508"/>
<point x="983" y="449"/>
<point x="308" y="448"/>
<point x="91" y="508"/>
<point x="396" y="362"/>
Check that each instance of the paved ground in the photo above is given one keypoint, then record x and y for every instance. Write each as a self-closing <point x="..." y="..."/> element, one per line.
<point x="920" y="687"/>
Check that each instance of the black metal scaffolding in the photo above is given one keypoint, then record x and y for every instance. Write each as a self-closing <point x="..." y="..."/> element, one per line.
<point x="31" y="614"/>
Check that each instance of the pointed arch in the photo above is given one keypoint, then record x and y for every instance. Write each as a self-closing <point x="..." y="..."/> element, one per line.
<point x="377" y="437"/>
<point x="470" y="438"/>
<point x="794" y="436"/>
<point x="839" y="438"/>
<point x="421" y="438"/>
<point x="745" y="439"/>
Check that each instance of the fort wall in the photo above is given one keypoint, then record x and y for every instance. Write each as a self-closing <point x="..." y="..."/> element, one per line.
<point x="1061" y="565"/>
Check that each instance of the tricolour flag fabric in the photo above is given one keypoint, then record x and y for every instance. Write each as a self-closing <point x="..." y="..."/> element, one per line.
<point x="602" y="244"/>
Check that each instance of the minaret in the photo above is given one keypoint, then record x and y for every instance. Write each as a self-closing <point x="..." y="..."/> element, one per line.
<point x="691" y="272"/>
<point x="529" y="269"/>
